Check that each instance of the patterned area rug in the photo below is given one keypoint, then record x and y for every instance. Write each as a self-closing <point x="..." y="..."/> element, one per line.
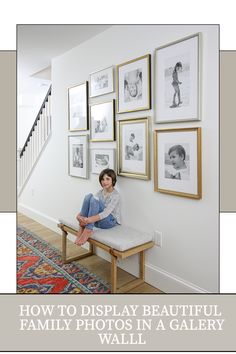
<point x="40" y="270"/>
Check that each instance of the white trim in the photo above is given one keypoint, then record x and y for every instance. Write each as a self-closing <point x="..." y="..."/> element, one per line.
<point x="155" y="276"/>
<point x="36" y="215"/>
<point x="168" y="282"/>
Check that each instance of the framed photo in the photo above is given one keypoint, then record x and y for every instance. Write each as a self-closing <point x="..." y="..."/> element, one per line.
<point x="133" y="148"/>
<point x="78" y="156"/>
<point x="101" y="159"/>
<point x="134" y="85"/>
<point x="102" y="118"/>
<point x="177" y="80"/>
<point x="101" y="82"/>
<point x="78" y="107"/>
<point x="177" y="162"/>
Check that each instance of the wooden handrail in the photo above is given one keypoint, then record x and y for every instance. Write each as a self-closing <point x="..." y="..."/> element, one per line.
<point x="36" y="120"/>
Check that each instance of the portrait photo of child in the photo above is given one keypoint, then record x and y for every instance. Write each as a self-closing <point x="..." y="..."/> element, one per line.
<point x="133" y="147"/>
<point x="77" y="151"/>
<point x="177" y="81"/>
<point x="177" y="162"/>
<point x="133" y="85"/>
<point x="102" y="121"/>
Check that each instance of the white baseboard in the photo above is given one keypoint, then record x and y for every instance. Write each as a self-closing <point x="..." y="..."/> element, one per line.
<point x="36" y="215"/>
<point x="168" y="282"/>
<point x="155" y="276"/>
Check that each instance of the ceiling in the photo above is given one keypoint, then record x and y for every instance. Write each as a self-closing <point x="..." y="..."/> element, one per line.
<point x="38" y="44"/>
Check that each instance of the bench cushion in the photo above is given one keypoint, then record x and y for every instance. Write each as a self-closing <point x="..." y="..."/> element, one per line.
<point x="120" y="237"/>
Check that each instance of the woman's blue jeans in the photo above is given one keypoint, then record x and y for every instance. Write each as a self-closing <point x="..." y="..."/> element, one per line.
<point x="93" y="206"/>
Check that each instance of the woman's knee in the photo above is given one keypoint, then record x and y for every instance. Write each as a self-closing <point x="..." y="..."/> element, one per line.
<point x="94" y="200"/>
<point x="88" y="197"/>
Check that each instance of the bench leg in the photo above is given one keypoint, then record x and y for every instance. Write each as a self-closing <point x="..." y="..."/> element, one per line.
<point x="113" y="274"/>
<point x="66" y="260"/>
<point x="91" y="249"/>
<point x="64" y="239"/>
<point x="138" y="281"/>
<point x="142" y="265"/>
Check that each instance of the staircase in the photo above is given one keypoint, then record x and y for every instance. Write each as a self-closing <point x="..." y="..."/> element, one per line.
<point x="38" y="136"/>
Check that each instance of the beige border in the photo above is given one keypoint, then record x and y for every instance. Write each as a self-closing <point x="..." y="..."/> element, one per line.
<point x="227" y="131"/>
<point x="8" y="131"/>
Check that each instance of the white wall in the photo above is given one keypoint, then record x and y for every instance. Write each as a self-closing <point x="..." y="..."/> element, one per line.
<point x="188" y="259"/>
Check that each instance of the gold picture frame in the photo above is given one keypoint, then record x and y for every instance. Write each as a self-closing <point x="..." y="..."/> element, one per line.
<point x="134" y="85"/>
<point x="177" y="80"/>
<point x="133" y="154"/>
<point x="78" y="107"/>
<point x="177" y="162"/>
<point x="102" y="121"/>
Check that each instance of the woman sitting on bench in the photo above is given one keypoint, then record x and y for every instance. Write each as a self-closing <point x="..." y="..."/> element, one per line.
<point x="101" y="210"/>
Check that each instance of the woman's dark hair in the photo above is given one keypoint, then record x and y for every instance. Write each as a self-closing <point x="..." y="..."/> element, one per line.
<point x="109" y="173"/>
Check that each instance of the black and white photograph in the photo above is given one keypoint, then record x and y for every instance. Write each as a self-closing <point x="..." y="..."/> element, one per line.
<point x="78" y="155"/>
<point x="177" y="81"/>
<point x="134" y="145"/>
<point x="77" y="151"/>
<point x="133" y="148"/>
<point x="102" y="121"/>
<point x="101" y="82"/>
<point x="133" y="85"/>
<point x="134" y="90"/>
<point x="78" y="107"/>
<point x="102" y="159"/>
<point x="177" y="162"/>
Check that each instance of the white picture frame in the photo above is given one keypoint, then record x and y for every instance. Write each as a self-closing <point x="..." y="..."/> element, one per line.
<point x="102" y="125"/>
<point x="102" y="159"/>
<point x="78" y="156"/>
<point x="177" y="162"/>
<point x="177" y="81"/>
<point x="101" y="82"/>
<point x="78" y="107"/>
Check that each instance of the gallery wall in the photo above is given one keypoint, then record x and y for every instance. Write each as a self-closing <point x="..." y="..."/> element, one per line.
<point x="188" y="258"/>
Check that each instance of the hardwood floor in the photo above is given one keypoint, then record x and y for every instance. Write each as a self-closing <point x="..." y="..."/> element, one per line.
<point x="93" y="263"/>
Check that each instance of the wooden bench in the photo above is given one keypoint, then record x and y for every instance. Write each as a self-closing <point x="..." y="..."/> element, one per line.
<point x="120" y="242"/>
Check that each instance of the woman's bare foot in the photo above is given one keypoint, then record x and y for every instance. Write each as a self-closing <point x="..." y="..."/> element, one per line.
<point x="84" y="237"/>
<point x="79" y="234"/>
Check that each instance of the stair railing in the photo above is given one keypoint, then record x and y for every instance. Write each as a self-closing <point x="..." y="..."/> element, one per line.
<point x="35" y="142"/>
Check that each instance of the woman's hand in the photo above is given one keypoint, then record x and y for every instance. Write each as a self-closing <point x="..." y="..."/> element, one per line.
<point x="82" y="220"/>
<point x="82" y="223"/>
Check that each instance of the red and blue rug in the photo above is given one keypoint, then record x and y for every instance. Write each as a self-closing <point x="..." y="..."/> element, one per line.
<point x="40" y="270"/>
